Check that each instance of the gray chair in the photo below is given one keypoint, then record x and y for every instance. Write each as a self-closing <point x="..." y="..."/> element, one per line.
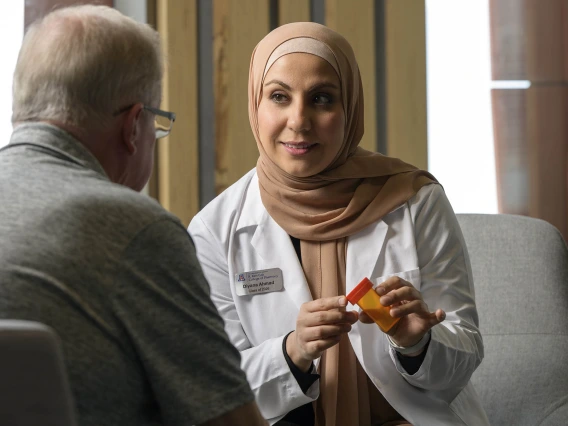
<point x="520" y="270"/>
<point x="33" y="382"/>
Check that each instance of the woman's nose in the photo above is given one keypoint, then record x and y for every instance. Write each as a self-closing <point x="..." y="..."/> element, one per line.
<point x="299" y="119"/>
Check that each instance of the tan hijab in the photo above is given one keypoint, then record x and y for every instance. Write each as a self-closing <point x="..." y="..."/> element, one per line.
<point x="357" y="189"/>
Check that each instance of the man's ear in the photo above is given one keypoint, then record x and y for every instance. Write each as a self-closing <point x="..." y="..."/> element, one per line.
<point x="131" y="128"/>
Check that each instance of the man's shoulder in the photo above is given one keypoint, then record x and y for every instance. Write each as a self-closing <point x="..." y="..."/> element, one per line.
<point x="119" y="207"/>
<point x="116" y="196"/>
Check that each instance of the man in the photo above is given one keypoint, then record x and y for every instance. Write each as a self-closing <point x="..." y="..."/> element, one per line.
<point x="80" y="250"/>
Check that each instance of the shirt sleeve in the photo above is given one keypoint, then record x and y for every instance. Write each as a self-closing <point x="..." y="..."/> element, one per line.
<point x="162" y="300"/>
<point x="455" y="349"/>
<point x="305" y="380"/>
<point x="412" y="363"/>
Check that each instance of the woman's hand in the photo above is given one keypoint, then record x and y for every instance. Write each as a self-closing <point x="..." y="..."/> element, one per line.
<point x="319" y="326"/>
<point x="406" y="303"/>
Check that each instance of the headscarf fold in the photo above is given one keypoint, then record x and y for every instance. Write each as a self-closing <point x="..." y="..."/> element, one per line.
<point x="357" y="189"/>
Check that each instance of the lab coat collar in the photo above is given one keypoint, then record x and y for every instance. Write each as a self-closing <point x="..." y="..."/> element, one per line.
<point x="274" y="246"/>
<point x="252" y="211"/>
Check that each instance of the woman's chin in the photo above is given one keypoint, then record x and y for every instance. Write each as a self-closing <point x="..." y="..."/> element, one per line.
<point x="302" y="171"/>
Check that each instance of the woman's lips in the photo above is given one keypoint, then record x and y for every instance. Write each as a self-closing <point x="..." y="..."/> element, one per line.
<point x="298" y="148"/>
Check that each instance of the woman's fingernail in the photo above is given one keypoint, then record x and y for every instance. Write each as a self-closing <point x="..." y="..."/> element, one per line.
<point x="381" y="291"/>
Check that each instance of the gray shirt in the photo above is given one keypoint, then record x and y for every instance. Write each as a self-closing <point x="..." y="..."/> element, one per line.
<point x="117" y="277"/>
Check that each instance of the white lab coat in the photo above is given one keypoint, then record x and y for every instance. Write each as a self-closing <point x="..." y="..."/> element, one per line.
<point x="420" y="241"/>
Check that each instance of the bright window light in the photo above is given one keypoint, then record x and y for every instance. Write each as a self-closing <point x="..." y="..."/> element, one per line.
<point x="12" y="32"/>
<point x="460" y="128"/>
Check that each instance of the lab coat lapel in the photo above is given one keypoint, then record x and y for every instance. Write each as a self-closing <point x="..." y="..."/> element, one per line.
<point x="363" y="252"/>
<point x="274" y="246"/>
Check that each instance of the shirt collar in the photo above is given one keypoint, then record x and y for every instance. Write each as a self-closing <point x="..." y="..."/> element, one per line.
<point x="56" y="140"/>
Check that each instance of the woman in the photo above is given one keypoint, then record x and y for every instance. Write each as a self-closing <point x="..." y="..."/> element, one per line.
<point x="283" y="245"/>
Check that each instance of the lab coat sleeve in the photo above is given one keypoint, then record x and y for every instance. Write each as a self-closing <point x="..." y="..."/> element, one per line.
<point x="275" y="388"/>
<point x="456" y="346"/>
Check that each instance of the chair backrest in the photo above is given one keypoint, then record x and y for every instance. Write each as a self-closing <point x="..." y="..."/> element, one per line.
<point x="520" y="271"/>
<point x="33" y="381"/>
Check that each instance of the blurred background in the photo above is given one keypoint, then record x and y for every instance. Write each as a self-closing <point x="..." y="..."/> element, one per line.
<point x="475" y="91"/>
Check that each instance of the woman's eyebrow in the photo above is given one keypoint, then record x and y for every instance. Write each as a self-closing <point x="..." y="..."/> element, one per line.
<point x="316" y="86"/>
<point x="323" y="85"/>
<point x="280" y="83"/>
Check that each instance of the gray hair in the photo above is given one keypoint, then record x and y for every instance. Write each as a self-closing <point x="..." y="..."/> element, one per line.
<point x="83" y="63"/>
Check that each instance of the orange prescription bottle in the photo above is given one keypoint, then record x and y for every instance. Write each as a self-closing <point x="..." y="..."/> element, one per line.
<point x="369" y="301"/>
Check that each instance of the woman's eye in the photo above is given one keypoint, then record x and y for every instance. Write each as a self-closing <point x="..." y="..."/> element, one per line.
<point x="278" y="98"/>
<point x="323" y="99"/>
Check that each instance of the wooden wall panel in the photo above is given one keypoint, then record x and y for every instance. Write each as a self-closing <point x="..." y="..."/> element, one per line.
<point x="178" y="153"/>
<point x="511" y="151"/>
<point x="293" y="11"/>
<point x="547" y="132"/>
<point x="153" y="186"/>
<point x="531" y="152"/>
<point x="238" y="27"/>
<point x="529" y="40"/>
<point x="355" y="21"/>
<point x="405" y="59"/>
<point x="547" y="48"/>
<point x="508" y="42"/>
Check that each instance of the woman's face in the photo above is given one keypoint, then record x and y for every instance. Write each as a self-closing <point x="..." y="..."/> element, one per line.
<point x="300" y="117"/>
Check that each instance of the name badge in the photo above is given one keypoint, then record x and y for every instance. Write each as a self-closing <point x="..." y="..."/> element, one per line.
<point x="259" y="282"/>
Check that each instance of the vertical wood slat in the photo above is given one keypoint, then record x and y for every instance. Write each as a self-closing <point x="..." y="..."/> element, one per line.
<point x="238" y="27"/>
<point x="547" y="130"/>
<point x="529" y="40"/>
<point x="511" y="150"/>
<point x="545" y="44"/>
<point x="293" y="11"/>
<point x="153" y="186"/>
<point x="178" y="153"/>
<point x="507" y="35"/>
<point x="531" y="152"/>
<point x="405" y="59"/>
<point x="355" y="21"/>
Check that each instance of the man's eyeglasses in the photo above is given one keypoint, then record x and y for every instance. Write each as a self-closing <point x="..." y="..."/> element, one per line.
<point x="163" y="120"/>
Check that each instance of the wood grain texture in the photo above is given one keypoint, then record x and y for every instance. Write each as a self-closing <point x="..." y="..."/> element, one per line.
<point x="178" y="153"/>
<point x="293" y="11"/>
<point x="511" y="150"/>
<point x="546" y="45"/>
<point x="238" y="27"/>
<point x="153" y="186"/>
<point x="405" y="40"/>
<point x="531" y="152"/>
<point x="547" y="132"/>
<point x="508" y="39"/>
<point x="354" y="20"/>
<point x="529" y="40"/>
